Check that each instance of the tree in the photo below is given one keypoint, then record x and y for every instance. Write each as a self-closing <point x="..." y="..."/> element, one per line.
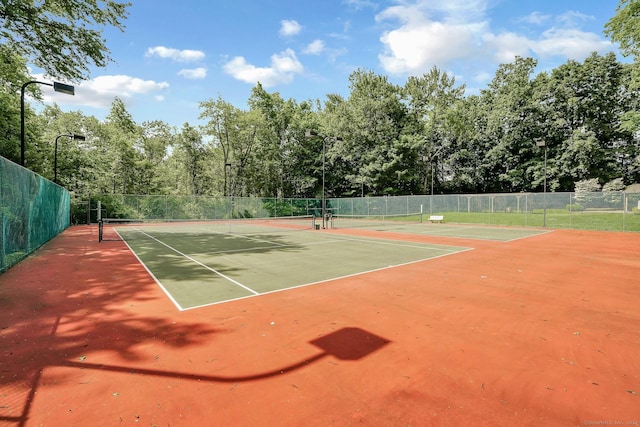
<point x="511" y="127"/>
<point x="13" y="73"/>
<point x="156" y="138"/>
<point x="62" y="37"/>
<point x="120" y="136"/>
<point x="431" y="100"/>
<point x="624" y="27"/>
<point x="278" y="166"/>
<point x="193" y="153"/>
<point x="586" y="106"/>
<point x="370" y="122"/>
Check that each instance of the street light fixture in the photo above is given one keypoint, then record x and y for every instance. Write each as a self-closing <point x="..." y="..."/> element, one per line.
<point x="55" y="152"/>
<point x="543" y="144"/>
<point x="57" y="86"/>
<point x="311" y="134"/>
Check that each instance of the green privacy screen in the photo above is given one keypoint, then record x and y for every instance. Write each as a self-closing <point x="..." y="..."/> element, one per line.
<point x="32" y="211"/>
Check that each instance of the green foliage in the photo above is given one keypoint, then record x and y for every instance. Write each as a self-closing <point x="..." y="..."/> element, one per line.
<point x="62" y="37"/>
<point x="289" y="207"/>
<point x="575" y="207"/>
<point x="422" y="137"/>
<point x="624" y="27"/>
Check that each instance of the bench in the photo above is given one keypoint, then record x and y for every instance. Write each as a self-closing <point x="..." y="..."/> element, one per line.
<point x="436" y="218"/>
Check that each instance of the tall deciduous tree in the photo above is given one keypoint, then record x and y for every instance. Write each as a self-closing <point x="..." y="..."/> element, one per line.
<point x="586" y="105"/>
<point x="511" y="127"/>
<point x="278" y="168"/>
<point x="63" y="37"/>
<point x="372" y="119"/>
<point x="193" y="153"/>
<point x="153" y="145"/>
<point x="432" y="99"/>
<point x="120" y="136"/>
<point x="624" y="27"/>
<point x="13" y="73"/>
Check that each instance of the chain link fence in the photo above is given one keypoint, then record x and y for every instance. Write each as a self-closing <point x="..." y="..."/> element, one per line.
<point x="611" y="211"/>
<point x="32" y="211"/>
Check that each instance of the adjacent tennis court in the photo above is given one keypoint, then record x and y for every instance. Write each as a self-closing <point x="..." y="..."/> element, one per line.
<point x="406" y="327"/>
<point x="203" y="263"/>
<point x="419" y="224"/>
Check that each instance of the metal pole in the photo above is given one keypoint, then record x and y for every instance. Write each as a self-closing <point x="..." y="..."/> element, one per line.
<point x="324" y="213"/>
<point x="55" y="160"/>
<point x="58" y="87"/>
<point x="230" y="196"/>
<point x="431" y="195"/>
<point x="544" y="215"/>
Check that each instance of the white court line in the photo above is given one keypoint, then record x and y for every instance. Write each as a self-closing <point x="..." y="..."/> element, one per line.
<point x="451" y="232"/>
<point x="333" y="278"/>
<point x="166" y="292"/>
<point x="213" y="270"/>
<point x="451" y="250"/>
<point x="393" y="243"/>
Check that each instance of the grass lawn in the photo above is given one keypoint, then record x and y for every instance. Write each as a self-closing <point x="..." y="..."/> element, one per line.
<point x="555" y="218"/>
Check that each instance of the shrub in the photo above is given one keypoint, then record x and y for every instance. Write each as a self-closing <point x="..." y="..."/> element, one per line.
<point x="575" y="207"/>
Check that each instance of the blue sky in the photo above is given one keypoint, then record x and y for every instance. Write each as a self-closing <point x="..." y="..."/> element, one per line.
<point x="173" y="55"/>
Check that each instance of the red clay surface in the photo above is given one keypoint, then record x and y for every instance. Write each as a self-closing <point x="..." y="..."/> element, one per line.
<point x="539" y="331"/>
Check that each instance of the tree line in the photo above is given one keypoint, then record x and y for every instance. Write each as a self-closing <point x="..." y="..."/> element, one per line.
<point x="575" y="125"/>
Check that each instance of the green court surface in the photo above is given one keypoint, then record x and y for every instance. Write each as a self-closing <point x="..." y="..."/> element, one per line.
<point x="198" y="266"/>
<point x="466" y="231"/>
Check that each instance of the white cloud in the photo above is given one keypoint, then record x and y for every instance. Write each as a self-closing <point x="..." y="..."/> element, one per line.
<point x="424" y="33"/>
<point x="284" y="67"/>
<point x="195" y="73"/>
<point x="536" y="18"/>
<point x="419" y="42"/>
<point x="361" y="4"/>
<point x="289" y="28"/>
<point x="573" y="19"/>
<point x="100" y="91"/>
<point x="506" y="46"/>
<point x="570" y="43"/>
<point x="177" y="55"/>
<point x="316" y="47"/>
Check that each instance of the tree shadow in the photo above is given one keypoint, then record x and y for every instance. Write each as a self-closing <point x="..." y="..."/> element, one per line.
<point x="74" y="297"/>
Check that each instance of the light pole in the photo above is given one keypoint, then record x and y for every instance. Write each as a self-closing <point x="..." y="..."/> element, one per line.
<point x="58" y="87"/>
<point x="543" y="144"/>
<point x="430" y="158"/>
<point x="230" y="189"/>
<point x="55" y="152"/>
<point x="311" y="134"/>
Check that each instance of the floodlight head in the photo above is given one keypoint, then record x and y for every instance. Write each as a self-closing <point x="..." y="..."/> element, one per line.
<point x="310" y="133"/>
<point x="541" y="143"/>
<point x="79" y="137"/>
<point x="64" y="88"/>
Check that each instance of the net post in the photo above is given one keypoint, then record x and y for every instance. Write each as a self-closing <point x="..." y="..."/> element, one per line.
<point x="100" y="229"/>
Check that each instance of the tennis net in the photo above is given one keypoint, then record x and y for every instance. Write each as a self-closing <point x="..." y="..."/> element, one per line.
<point x="110" y="228"/>
<point x="378" y="222"/>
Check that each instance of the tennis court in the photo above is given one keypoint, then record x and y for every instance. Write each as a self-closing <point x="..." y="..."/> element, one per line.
<point x="336" y="326"/>
<point x="418" y="224"/>
<point x="204" y="263"/>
